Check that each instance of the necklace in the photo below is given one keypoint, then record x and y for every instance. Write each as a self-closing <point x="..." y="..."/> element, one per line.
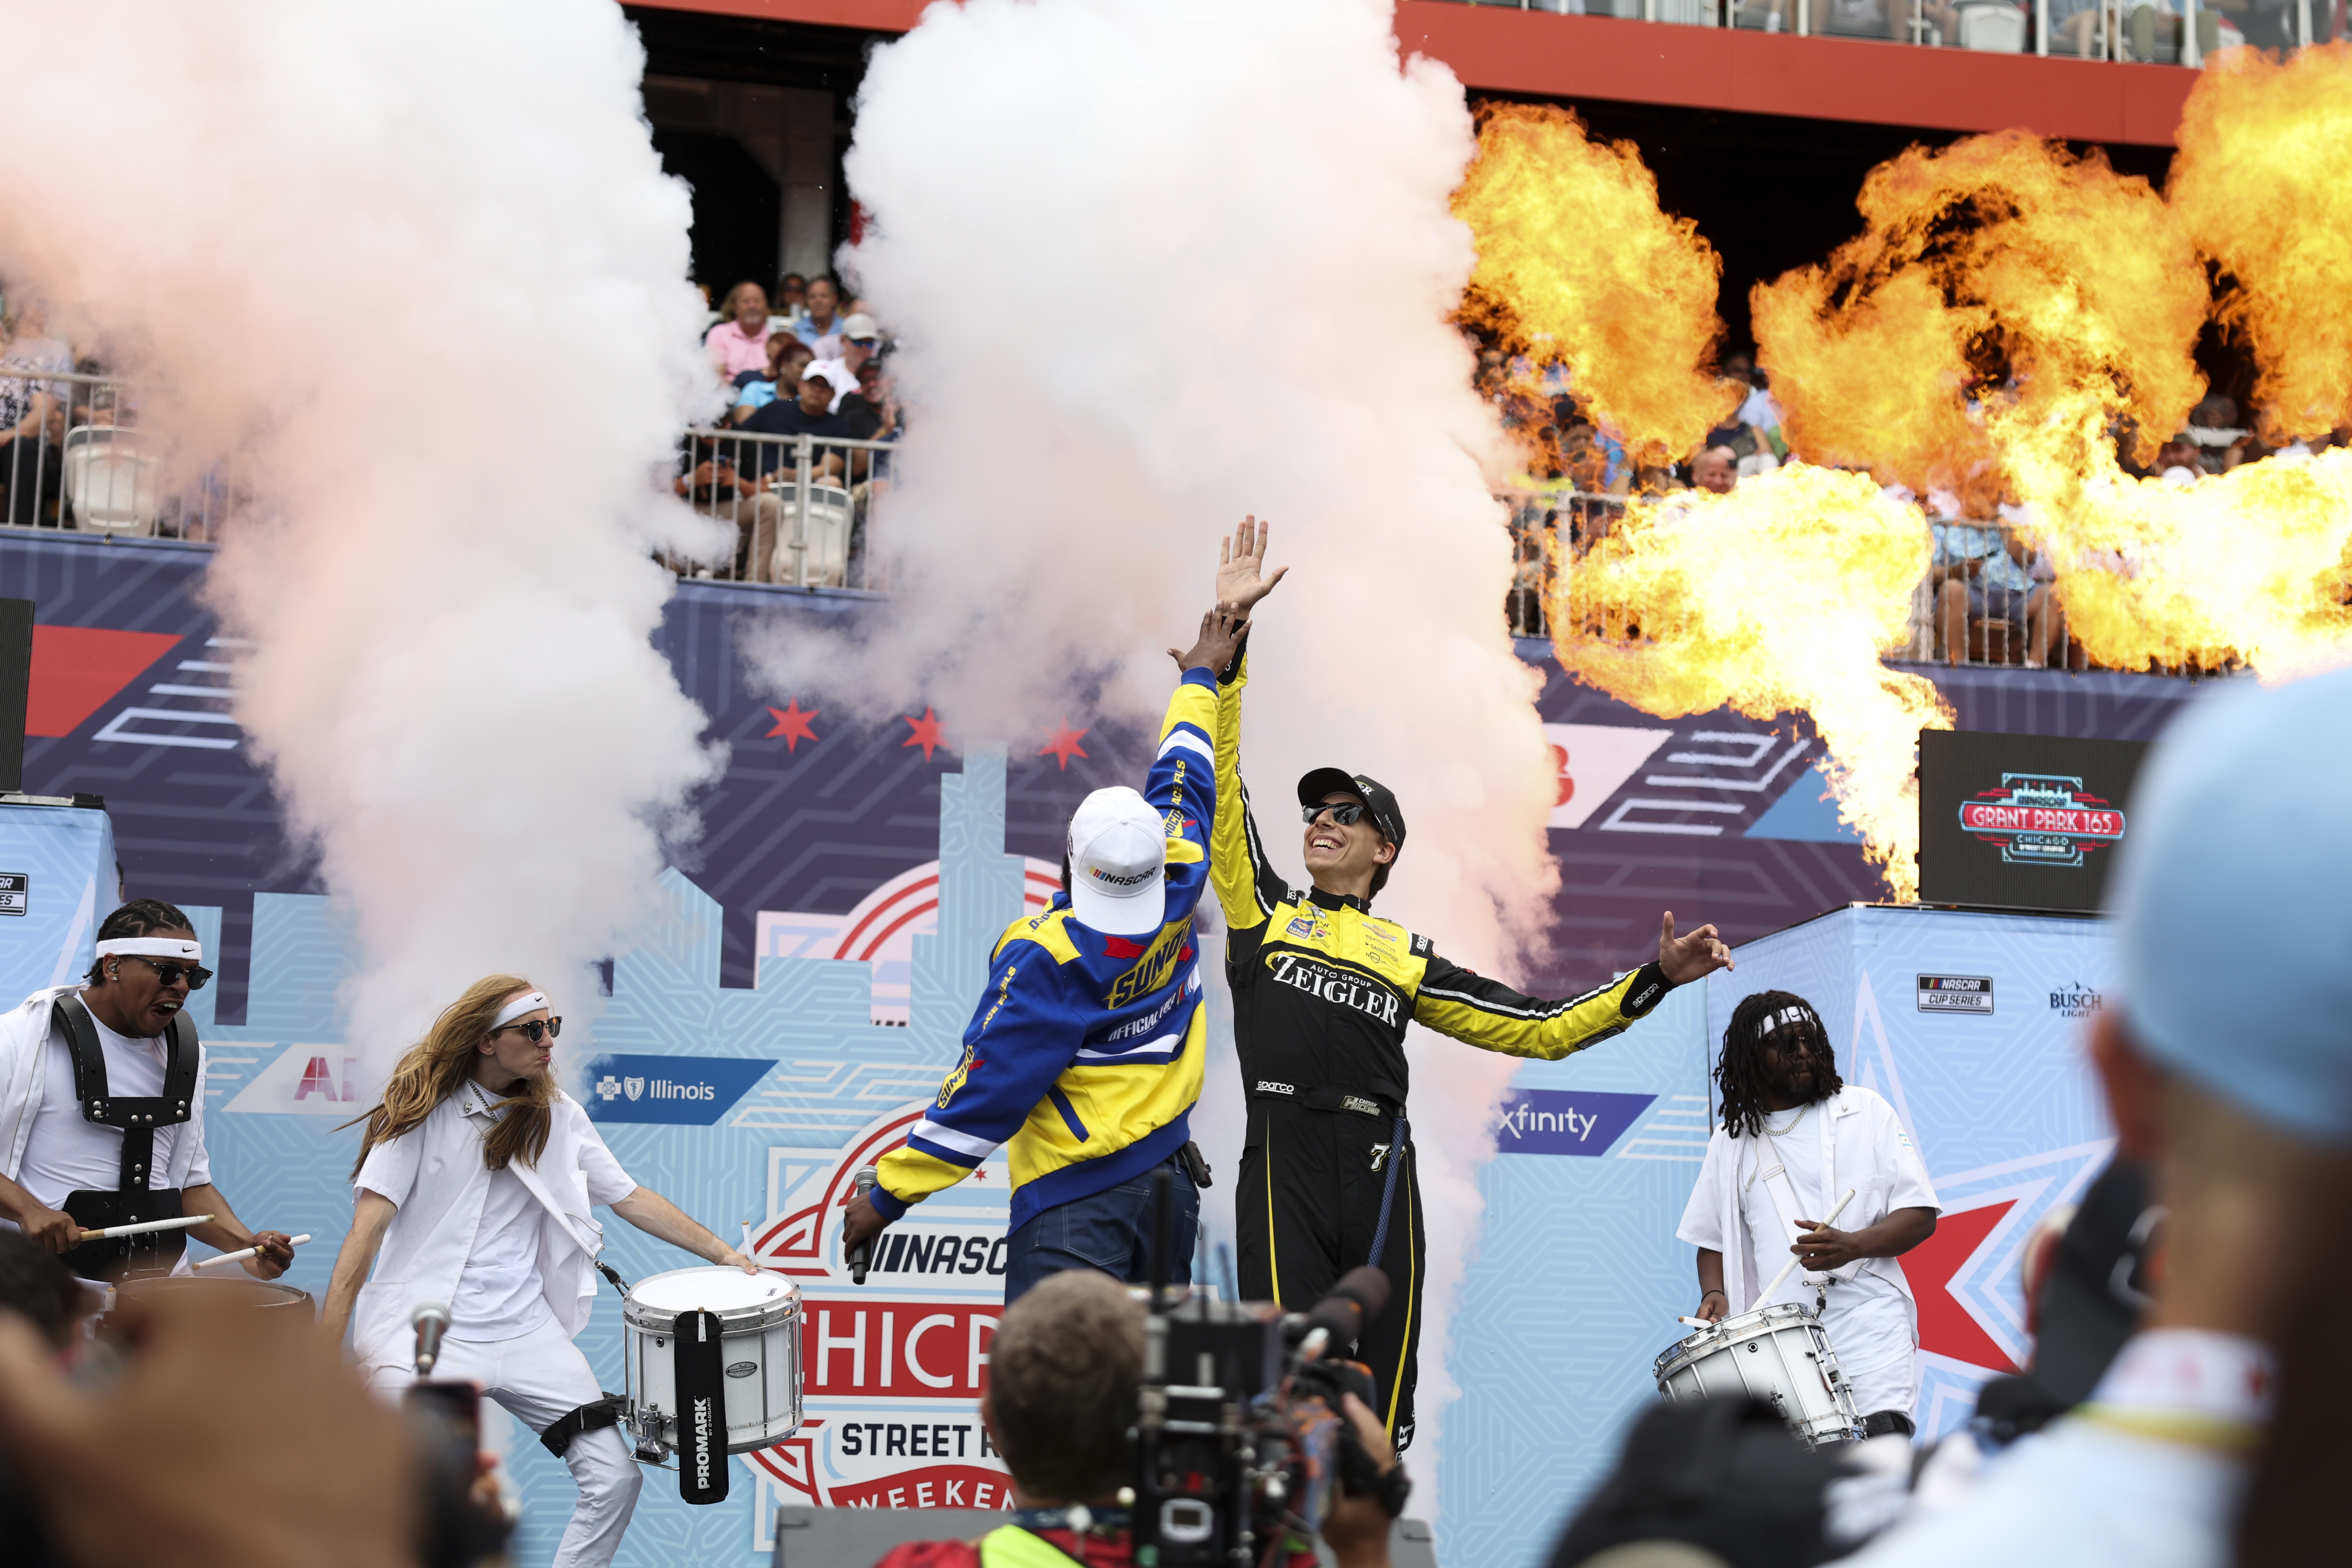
<point x="1791" y="1127"/>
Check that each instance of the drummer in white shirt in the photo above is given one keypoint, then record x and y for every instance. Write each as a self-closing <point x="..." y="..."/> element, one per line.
<point x="1794" y="1138"/>
<point x="474" y="1181"/>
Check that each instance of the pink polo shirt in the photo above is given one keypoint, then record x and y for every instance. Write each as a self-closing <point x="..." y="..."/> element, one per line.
<point x="733" y="351"/>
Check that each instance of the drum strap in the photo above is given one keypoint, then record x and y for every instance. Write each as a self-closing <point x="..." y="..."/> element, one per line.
<point x="700" y="1377"/>
<point x="593" y="1416"/>
<point x="139" y="1117"/>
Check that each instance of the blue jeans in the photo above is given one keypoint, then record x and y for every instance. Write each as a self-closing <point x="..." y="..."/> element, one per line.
<point x="1109" y="1231"/>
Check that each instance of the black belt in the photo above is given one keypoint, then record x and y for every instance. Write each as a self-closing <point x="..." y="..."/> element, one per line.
<point x="1379" y="1100"/>
<point x="137" y="1119"/>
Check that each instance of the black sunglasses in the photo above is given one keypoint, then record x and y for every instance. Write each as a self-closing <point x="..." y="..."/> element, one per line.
<point x="1346" y="814"/>
<point x="171" y="975"/>
<point x="538" y="1031"/>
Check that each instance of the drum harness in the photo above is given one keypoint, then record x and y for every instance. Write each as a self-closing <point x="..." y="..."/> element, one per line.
<point x="597" y="1414"/>
<point x="1785" y="1204"/>
<point x="136" y="1118"/>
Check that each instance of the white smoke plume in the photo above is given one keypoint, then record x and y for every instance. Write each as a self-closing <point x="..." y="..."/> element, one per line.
<point x="413" y="272"/>
<point x="1152" y="267"/>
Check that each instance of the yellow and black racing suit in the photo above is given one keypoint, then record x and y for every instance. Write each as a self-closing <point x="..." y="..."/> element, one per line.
<point x="1322" y="993"/>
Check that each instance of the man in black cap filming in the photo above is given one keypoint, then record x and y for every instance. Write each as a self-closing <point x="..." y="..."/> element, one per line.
<point x="1323" y="992"/>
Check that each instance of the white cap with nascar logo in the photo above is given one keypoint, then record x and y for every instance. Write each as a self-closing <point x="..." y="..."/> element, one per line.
<point x="1119" y="859"/>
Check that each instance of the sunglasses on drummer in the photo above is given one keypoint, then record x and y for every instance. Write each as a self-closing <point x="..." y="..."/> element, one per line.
<point x="171" y="975"/>
<point x="538" y="1031"/>
<point x="1346" y="814"/>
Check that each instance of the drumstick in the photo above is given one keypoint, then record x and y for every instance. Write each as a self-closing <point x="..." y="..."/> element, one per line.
<point x="248" y="1252"/>
<point x="1792" y="1266"/>
<point x="180" y="1224"/>
<point x="1693" y="1322"/>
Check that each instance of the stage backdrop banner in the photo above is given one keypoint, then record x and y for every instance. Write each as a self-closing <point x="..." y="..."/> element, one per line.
<point x="1972" y="1025"/>
<point x="57" y="880"/>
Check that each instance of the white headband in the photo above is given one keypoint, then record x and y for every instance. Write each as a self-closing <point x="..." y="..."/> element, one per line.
<point x="530" y="1002"/>
<point x="1774" y="1022"/>
<point x="185" y="951"/>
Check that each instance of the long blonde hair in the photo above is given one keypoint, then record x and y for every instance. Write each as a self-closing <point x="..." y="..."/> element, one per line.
<point x="439" y="1064"/>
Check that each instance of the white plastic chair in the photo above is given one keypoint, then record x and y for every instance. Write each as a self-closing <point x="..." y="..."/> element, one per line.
<point x="824" y="561"/>
<point x="1992" y="29"/>
<point x="109" y="482"/>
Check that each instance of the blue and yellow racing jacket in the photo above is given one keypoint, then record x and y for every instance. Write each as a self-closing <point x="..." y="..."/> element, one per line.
<point x="1085" y="1054"/>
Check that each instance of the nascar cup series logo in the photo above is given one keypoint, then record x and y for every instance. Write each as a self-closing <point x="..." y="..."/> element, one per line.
<point x="2042" y="819"/>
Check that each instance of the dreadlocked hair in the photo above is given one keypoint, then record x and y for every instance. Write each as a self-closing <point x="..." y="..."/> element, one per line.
<point x="1739" y="1070"/>
<point x="436" y="1066"/>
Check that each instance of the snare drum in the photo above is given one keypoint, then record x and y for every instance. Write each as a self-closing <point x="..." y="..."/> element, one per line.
<point x="241" y="1290"/>
<point x="1779" y="1354"/>
<point x="760" y="1333"/>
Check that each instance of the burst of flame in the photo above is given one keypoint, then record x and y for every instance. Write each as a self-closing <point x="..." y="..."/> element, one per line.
<point x="1775" y="598"/>
<point x="1576" y="262"/>
<point x="2263" y="184"/>
<point x="2002" y="290"/>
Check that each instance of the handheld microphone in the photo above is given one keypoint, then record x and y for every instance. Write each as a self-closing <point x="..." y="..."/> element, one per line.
<point x="431" y="1320"/>
<point x="861" y="1257"/>
<point x="1360" y="1296"/>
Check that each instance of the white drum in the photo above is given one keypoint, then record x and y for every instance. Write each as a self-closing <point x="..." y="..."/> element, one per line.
<point x="760" y="1332"/>
<point x="1779" y="1354"/>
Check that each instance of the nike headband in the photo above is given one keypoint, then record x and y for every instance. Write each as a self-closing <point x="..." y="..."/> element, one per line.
<point x="530" y="1002"/>
<point x="182" y="949"/>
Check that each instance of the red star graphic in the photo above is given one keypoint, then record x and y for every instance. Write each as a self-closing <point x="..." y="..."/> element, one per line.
<point x="928" y="732"/>
<point x="1065" y="744"/>
<point x="1946" y="1327"/>
<point x="793" y="725"/>
<point x="980" y="1172"/>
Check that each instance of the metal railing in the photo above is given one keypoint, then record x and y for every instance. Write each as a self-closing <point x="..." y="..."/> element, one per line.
<point x="76" y="458"/>
<point x="804" y="507"/>
<point x="1988" y="27"/>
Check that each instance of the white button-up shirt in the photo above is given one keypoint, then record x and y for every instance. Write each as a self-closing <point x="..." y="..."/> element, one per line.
<point x="32" y="1057"/>
<point x="436" y="1174"/>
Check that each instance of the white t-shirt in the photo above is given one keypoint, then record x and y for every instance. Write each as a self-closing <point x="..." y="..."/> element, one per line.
<point x="513" y="1244"/>
<point x="500" y="1295"/>
<point x="67" y="1153"/>
<point x="1871" y="1323"/>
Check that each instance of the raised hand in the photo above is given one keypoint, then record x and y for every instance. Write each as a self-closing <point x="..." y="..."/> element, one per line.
<point x="1687" y="958"/>
<point x="1222" y="630"/>
<point x="1241" y="565"/>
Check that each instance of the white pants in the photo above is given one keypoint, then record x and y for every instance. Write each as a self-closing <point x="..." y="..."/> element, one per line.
<point x="539" y="1378"/>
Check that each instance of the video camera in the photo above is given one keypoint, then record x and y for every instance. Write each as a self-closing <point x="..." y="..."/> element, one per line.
<point x="1240" y="1439"/>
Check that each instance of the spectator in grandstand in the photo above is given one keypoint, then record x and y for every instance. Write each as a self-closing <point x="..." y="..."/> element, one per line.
<point x="2152" y="25"/>
<point x="739" y="342"/>
<point x="2180" y="461"/>
<point x="1715" y="469"/>
<point x="1582" y="461"/>
<point x="809" y="414"/>
<point x="872" y="411"/>
<point x="1064" y="1374"/>
<point x="1982" y="575"/>
<point x="32" y="411"/>
<point x="787" y="356"/>
<point x="820" y="327"/>
<point x="792" y="300"/>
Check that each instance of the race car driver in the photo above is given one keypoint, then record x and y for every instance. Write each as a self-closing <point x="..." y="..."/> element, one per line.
<point x="1323" y="992"/>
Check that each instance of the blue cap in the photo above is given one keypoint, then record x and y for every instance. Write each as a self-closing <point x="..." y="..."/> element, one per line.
<point x="2234" y="902"/>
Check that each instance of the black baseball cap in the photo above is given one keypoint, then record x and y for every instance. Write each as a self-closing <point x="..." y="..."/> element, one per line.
<point x="1375" y="795"/>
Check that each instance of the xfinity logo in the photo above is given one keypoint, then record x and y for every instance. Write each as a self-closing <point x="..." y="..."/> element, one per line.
<point x="1342" y="990"/>
<point x="688" y="1090"/>
<point x="1561" y="1121"/>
